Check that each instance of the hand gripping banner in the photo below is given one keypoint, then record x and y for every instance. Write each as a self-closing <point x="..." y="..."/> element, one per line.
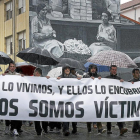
<point x="68" y="100"/>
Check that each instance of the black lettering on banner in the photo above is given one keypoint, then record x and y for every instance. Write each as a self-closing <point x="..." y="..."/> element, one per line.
<point x="10" y="86"/>
<point x="67" y="105"/>
<point x="85" y="90"/>
<point x="27" y="86"/>
<point x="69" y="90"/>
<point x="110" y="89"/>
<point x="121" y="90"/>
<point x="128" y="109"/>
<point x="49" y="89"/>
<point x="5" y="102"/>
<point x="90" y="89"/>
<point x="96" y="90"/>
<point x="19" y="87"/>
<point x="73" y="91"/>
<point x="12" y="101"/>
<point x="134" y="110"/>
<point x="59" y="110"/>
<point x="41" y="108"/>
<point x="37" y="88"/>
<point x="103" y="89"/>
<point x="79" y="93"/>
<point x="32" y="87"/>
<point x="122" y="103"/>
<point x="106" y="109"/>
<point x="61" y="88"/>
<point x="126" y="91"/>
<point x="135" y="91"/>
<point x="98" y="111"/>
<point x="116" y="89"/>
<point x="79" y="109"/>
<point x="130" y="91"/>
<point x="138" y="90"/>
<point x="33" y="108"/>
<point x="3" y="84"/>
<point x="111" y="109"/>
<point x="44" y="88"/>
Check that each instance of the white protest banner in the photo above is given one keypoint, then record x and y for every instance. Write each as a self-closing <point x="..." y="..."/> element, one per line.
<point x="68" y="100"/>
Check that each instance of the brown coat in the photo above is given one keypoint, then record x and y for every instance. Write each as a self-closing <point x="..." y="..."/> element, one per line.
<point x="12" y="73"/>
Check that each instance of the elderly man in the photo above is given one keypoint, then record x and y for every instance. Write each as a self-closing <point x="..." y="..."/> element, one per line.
<point x="15" y="125"/>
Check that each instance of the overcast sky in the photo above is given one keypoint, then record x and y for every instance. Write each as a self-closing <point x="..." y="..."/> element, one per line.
<point x="123" y="1"/>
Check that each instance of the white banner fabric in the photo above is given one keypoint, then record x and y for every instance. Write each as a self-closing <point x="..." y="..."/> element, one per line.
<point x="68" y="100"/>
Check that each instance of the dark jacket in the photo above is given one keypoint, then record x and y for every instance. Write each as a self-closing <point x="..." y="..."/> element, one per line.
<point x="134" y="80"/>
<point x="111" y="76"/>
<point x="67" y="76"/>
<point x="88" y="75"/>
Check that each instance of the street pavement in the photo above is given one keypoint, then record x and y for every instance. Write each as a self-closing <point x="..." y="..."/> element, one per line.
<point x="30" y="134"/>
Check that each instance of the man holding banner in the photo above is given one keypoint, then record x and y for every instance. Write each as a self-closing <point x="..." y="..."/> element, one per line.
<point x="66" y="73"/>
<point x="92" y="73"/>
<point x="15" y="125"/>
<point x="38" y="73"/>
<point x="113" y="75"/>
<point x="135" y="73"/>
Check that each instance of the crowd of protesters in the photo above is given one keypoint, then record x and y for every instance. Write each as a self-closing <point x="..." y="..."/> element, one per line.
<point x="14" y="126"/>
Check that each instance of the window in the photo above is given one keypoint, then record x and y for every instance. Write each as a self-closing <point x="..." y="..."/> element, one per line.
<point x="34" y="2"/>
<point x="9" y="10"/>
<point x="21" y="6"/>
<point x="30" y="2"/>
<point x="22" y="41"/>
<point x="9" y="47"/>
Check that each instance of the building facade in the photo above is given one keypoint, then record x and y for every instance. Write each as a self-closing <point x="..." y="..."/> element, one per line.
<point x="14" y="27"/>
<point x="131" y="9"/>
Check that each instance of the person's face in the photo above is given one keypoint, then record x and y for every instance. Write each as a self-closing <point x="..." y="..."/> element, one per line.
<point x="12" y="67"/>
<point x="104" y="18"/>
<point x="136" y="74"/>
<point x="67" y="71"/>
<point x="93" y="70"/>
<point x="43" y="12"/>
<point x="113" y="70"/>
<point x="36" y="73"/>
<point x="73" y="71"/>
